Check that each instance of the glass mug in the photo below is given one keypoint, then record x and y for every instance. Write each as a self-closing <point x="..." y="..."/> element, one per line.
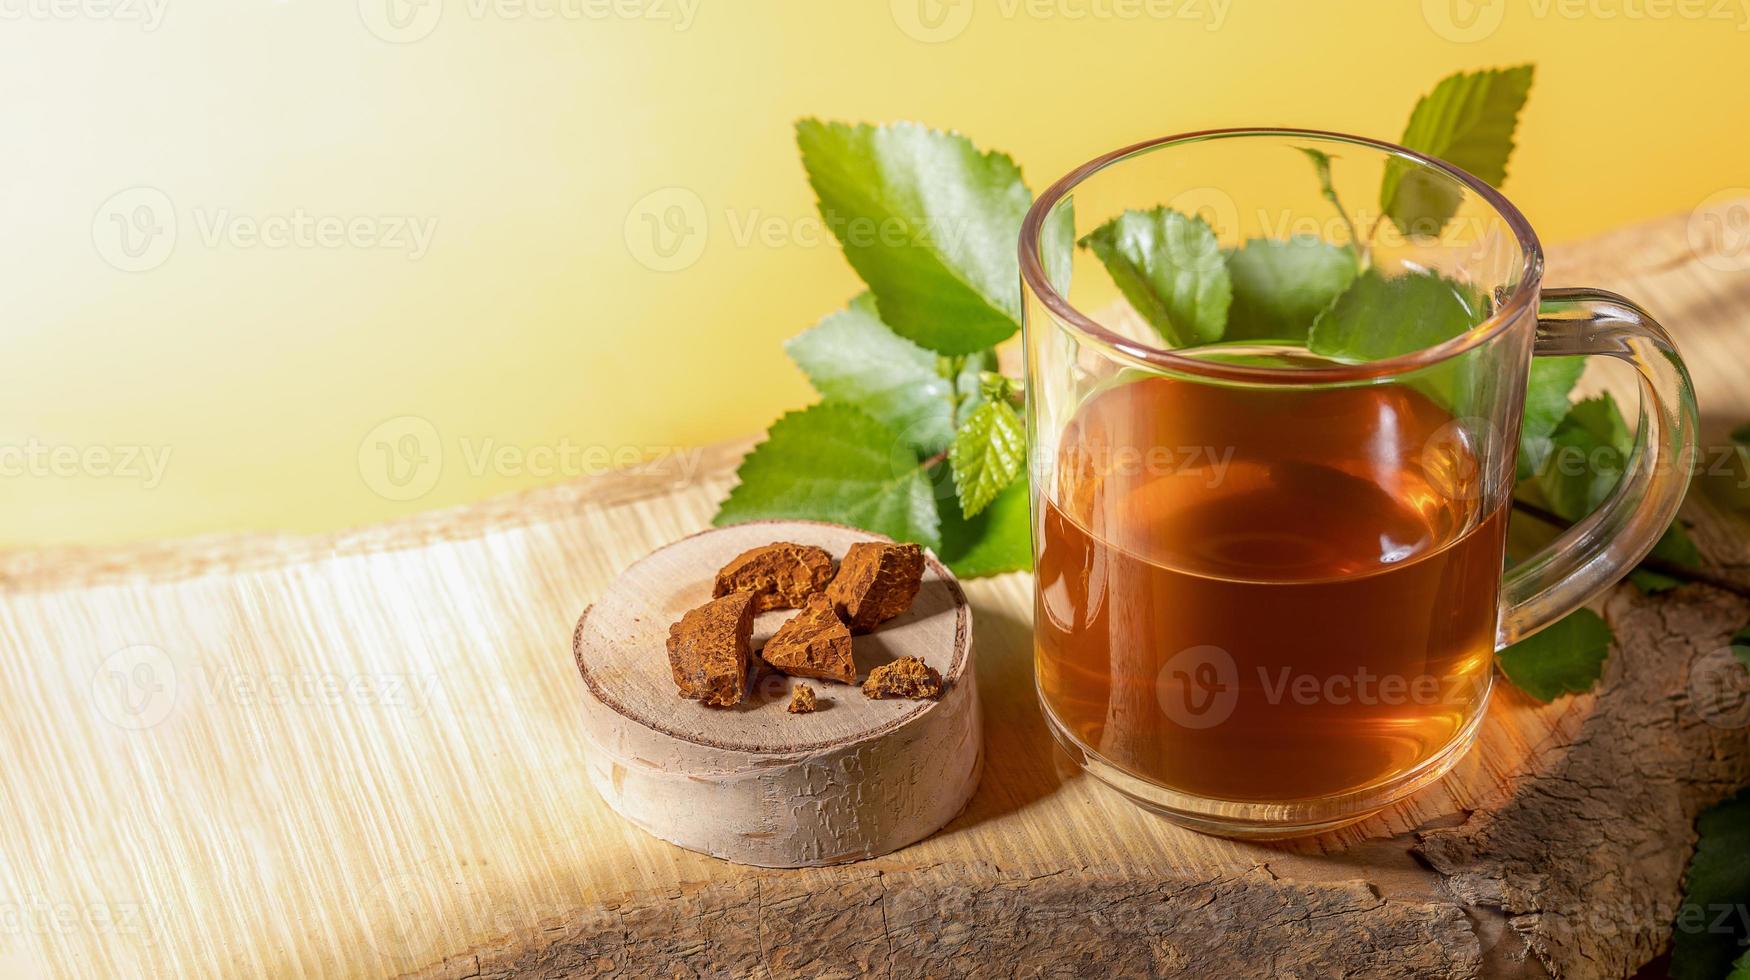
<point x="1269" y="583"/>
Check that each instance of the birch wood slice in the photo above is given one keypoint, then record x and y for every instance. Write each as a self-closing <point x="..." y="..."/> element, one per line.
<point x="754" y="783"/>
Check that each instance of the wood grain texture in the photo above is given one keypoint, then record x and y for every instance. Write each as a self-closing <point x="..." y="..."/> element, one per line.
<point x="857" y="778"/>
<point x="359" y="754"/>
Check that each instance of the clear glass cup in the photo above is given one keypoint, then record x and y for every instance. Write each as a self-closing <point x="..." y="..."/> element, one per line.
<point x="1269" y="580"/>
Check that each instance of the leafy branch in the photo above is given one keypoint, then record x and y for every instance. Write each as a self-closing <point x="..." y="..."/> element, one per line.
<point x="917" y="437"/>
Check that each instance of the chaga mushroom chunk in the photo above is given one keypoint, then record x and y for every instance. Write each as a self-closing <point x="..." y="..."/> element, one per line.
<point x="907" y="677"/>
<point x="778" y="576"/>
<point x="802" y="700"/>
<point x="876" y="582"/>
<point x="708" y="650"/>
<point x="813" y="643"/>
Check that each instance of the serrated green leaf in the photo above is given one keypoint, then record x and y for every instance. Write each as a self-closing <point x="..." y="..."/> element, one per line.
<point x="1467" y="121"/>
<point x="1674" y="546"/>
<point x="1588" y="452"/>
<point x="1546" y="404"/>
<point x="1566" y="657"/>
<point x="999" y="539"/>
<point x="1586" y="456"/>
<point x="1710" y="928"/>
<point x="1057" y="245"/>
<point x="1380" y="316"/>
<point x="852" y="357"/>
<point x="988" y="451"/>
<point x="1171" y="268"/>
<point x="929" y="222"/>
<point x="969" y="382"/>
<point x="834" y="462"/>
<point x="1280" y="287"/>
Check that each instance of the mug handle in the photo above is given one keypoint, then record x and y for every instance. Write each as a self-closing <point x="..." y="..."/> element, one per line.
<point x="1592" y="555"/>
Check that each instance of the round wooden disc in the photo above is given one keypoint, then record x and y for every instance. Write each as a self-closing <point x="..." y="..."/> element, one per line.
<point x="754" y="783"/>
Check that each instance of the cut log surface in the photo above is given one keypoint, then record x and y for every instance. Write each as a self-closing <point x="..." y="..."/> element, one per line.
<point x="856" y="778"/>
<point x="365" y="754"/>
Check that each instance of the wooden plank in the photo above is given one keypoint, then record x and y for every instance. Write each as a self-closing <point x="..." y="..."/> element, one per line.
<point x="359" y="754"/>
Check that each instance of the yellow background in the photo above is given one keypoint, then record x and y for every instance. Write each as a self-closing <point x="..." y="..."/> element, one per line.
<point x="531" y="141"/>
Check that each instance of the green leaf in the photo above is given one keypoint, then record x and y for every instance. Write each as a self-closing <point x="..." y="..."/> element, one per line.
<point x="1171" y="268"/>
<point x="1586" y="456"/>
<point x="1321" y="162"/>
<point x="1740" y="969"/>
<point x="1057" y="245"/>
<point x="999" y="539"/>
<point x="1741" y="646"/>
<point x="969" y="383"/>
<point x="1566" y="657"/>
<point x="1379" y="317"/>
<point x="852" y="357"/>
<point x="1467" y="121"/>
<point x="1322" y="166"/>
<point x="1280" y="287"/>
<point x="928" y="222"/>
<point x="1710" y="928"/>
<point x="1588" y="453"/>
<point x="1675" y="546"/>
<point x="988" y="452"/>
<point x="1546" y="404"/>
<point x="834" y="462"/>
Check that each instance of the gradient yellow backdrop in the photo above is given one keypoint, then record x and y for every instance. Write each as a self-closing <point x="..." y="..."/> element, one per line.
<point x="262" y="258"/>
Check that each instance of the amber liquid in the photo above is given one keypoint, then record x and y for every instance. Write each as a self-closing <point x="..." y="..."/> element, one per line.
<point x="1265" y="596"/>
